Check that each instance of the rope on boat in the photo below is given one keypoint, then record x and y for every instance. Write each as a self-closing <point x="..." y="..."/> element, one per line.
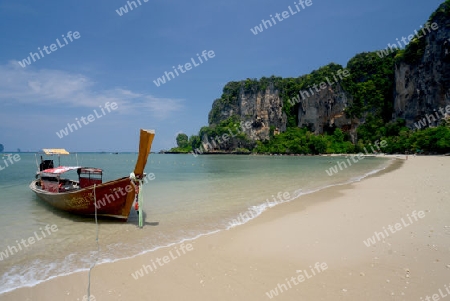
<point x="140" y="199"/>
<point x="98" y="249"/>
<point x="141" y="204"/>
<point x="141" y="224"/>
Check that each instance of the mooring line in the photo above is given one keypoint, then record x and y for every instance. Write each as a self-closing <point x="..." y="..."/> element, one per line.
<point x="98" y="249"/>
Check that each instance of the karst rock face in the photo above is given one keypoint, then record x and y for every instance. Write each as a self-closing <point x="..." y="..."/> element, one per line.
<point x="324" y="109"/>
<point x="263" y="108"/>
<point x="422" y="87"/>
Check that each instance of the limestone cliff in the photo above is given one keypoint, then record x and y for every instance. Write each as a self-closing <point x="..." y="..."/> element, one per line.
<point x="263" y="103"/>
<point x="422" y="87"/>
<point x="263" y="108"/>
<point x="417" y="83"/>
<point x="325" y="109"/>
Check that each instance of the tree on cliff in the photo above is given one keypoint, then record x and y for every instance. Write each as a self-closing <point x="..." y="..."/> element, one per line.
<point x="183" y="144"/>
<point x="182" y="140"/>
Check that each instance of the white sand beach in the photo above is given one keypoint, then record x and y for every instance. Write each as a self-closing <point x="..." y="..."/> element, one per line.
<point x="324" y="229"/>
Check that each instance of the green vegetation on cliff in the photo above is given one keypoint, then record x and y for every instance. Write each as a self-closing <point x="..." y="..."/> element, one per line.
<point x="399" y="138"/>
<point x="370" y="89"/>
<point x="213" y="135"/>
<point x="301" y="141"/>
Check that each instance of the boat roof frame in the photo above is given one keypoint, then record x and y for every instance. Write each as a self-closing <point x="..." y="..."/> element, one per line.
<point x="55" y="151"/>
<point x="51" y="172"/>
<point x="57" y="171"/>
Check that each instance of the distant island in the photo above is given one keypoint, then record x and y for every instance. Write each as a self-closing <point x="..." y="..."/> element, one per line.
<point x="398" y="95"/>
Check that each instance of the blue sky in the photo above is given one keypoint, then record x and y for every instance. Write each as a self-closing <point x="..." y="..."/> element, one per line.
<point x="117" y="58"/>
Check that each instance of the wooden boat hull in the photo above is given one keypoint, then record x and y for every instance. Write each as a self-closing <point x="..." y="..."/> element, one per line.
<point x="113" y="199"/>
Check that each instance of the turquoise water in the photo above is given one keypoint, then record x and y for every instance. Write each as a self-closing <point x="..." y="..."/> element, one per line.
<point x="190" y="196"/>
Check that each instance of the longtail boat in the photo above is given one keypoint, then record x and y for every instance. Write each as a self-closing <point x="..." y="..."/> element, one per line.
<point x="89" y="195"/>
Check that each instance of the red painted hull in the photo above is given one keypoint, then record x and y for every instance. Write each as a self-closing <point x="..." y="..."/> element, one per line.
<point x="113" y="199"/>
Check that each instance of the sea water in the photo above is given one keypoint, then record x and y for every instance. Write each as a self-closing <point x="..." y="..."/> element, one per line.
<point x="189" y="197"/>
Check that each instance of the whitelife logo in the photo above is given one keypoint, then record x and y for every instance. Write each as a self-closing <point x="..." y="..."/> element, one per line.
<point x="281" y="17"/>
<point x="31" y="240"/>
<point x="355" y="158"/>
<point x="341" y="73"/>
<point x="430" y="117"/>
<point x="391" y="47"/>
<point x="436" y="297"/>
<point x="113" y="197"/>
<point x="398" y="226"/>
<point x="124" y="9"/>
<point x="162" y="80"/>
<point x="295" y="280"/>
<point x="35" y="56"/>
<point x="161" y="261"/>
<point x="90" y="118"/>
<point x="12" y="159"/>
<point x="207" y="144"/>
<point x="282" y="197"/>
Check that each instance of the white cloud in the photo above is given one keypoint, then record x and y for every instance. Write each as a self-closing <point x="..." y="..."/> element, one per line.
<point x="46" y="87"/>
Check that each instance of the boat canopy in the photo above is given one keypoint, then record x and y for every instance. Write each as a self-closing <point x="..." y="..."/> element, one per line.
<point x="91" y="170"/>
<point x="55" y="151"/>
<point x="51" y="172"/>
